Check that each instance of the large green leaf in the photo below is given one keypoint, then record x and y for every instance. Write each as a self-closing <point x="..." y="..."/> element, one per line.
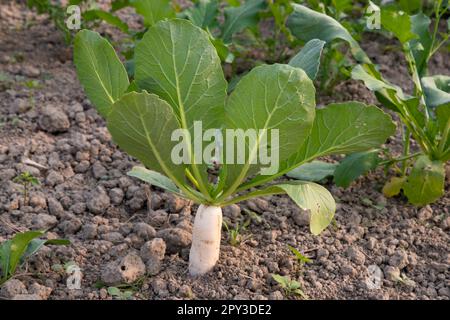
<point x="308" y="58"/>
<point x="425" y="183"/>
<point x="355" y="165"/>
<point x="443" y="120"/>
<point x="339" y="128"/>
<point x="344" y="128"/>
<point x="239" y="18"/>
<point x="421" y="47"/>
<point x="113" y="20"/>
<point x="270" y="97"/>
<point x="154" y="178"/>
<point x="315" y="171"/>
<point x="142" y="125"/>
<point x="153" y="10"/>
<point x="399" y="23"/>
<point x="176" y="61"/>
<point x="436" y="90"/>
<point x="19" y="244"/>
<point x="307" y="24"/>
<point x="204" y="13"/>
<point x="100" y="71"/>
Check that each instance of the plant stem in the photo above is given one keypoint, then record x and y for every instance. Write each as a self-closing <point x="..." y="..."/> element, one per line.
<point x="400" y="158"/>
<point x="406" y="148"/>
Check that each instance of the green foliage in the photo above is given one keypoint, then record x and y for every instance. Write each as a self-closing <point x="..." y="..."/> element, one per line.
<point x="308" y="58"/>
<point x="316" y="171"/>
<point x="355" y="165"/>
<point x="180" y="81"/>
<point x="425" y="184"/>
<point x="241" y="17"/>
<point x="153" y="10"/>
<point x="100" y="71"/>
<point x="424" y="115"/>
<point x="15" y="251"/>
<point x="290" y="287"/>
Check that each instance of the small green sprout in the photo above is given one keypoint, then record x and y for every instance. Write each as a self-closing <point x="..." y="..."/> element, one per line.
<point x="235" y="235"/>
<point x="301" y="259"/>
<point x="120" y="294"/>
<point x="290" y="287"/>
<point x="26" y="179"/>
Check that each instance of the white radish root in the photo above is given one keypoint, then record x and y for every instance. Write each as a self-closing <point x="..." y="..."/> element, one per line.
<point x="206" y="235"/>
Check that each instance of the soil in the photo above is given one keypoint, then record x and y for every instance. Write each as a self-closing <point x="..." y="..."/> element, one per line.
<point x="115" y="223"/>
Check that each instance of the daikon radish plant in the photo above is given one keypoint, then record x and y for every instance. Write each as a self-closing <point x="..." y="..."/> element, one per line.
<point x="179" y="86"/>
<point x="425" y="114"/>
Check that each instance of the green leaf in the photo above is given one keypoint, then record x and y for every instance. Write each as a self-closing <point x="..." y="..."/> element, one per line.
<point x="393" y="187"/>
<point x="113" y="20"/>
<point x="313" y="171"/>
<point x="307" y="195"/>
<point x="300" y="257"/>
<point x="313" y="197"/>
<point x="443" y="120"/>
<point x="37" y="244"/>
<point x="5" y="253"/>
<point x="19" y="244"/>
<point x="239" y="18"/>
<point x="355" y="165"/>
<point x="339" y="128"/>
<point x="307" y="24"/>
<point x="421" y="47"/>
<point x="410" y="6"/>
<point x="114" y="291"/>
<point x="100" y="71"/>
<point x="154" y="178"/>
<point x="270" y="97"/>
<point x="142" y="125"/>
<point x="283" y="281"/>
<point x="371" y="82"/>
<point x="308" y="58"/>
<point x="399" y="23"/>
<point x="204" y="13"/>
<point x="177" y="61"/>
<point x="153" y="10"/>
<point x="343" y="128"/>
<point x="436" y="90"/>
<point x="425" y="183"/>
<point x="119" y="4"/>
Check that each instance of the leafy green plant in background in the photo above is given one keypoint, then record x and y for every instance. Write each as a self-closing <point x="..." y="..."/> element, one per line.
<point x="27" y="180"/>
<point x="179" y="80"/>
<point x="16" y="251"/>
<point x="425" y="115"/>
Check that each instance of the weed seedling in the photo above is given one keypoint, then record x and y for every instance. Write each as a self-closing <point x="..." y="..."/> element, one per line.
<point x="235" y="235"/>
<point x="289" y="286"/>
<point x="27" y="180"/>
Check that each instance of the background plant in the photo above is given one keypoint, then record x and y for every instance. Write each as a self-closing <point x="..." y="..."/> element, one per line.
<point x="425" y="114"/>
